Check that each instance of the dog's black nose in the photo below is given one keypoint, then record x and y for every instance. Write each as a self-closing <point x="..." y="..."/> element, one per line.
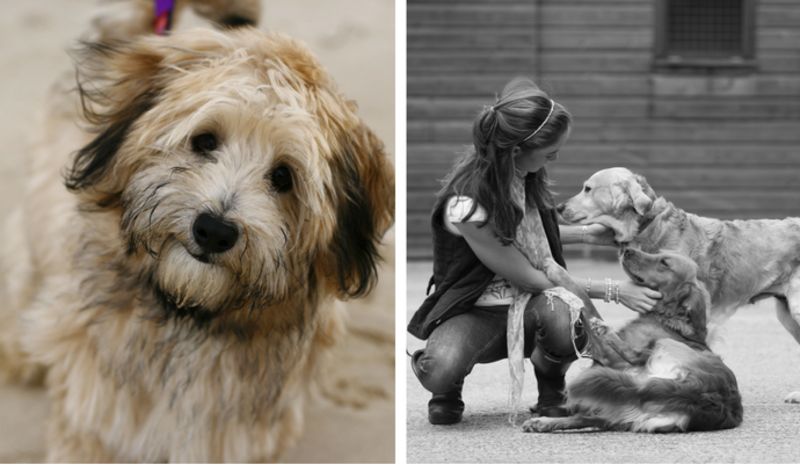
<point x="213" y="235"/>
<point x="628" y="252"/>
<point x="560" y="208"/>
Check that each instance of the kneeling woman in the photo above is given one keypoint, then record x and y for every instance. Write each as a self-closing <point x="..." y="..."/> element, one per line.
<point x="493" y="222"/>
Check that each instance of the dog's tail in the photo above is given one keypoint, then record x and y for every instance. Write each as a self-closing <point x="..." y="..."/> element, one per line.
<point x="709" y="393"/>
<point x="628" y="400"/>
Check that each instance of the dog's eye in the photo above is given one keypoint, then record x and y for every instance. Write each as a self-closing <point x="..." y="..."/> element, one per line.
<point x="204" y="144"/>
<point x="281" y="179"/>
<point x="586" y="189"/>
<point x="664" y="262"/>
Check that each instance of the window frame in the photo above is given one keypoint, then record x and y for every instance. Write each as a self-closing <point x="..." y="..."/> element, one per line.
<point x="664" y="61"/>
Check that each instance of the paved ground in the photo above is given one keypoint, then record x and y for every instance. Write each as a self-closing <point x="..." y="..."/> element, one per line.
<point x="355" y="39"/>
<point x="764" y="357"/>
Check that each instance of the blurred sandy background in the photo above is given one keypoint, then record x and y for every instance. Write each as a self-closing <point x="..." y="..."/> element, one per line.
<point x="355" y="39"/>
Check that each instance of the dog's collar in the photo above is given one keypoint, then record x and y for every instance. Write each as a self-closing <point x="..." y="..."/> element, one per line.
<point x="162" y="21"/>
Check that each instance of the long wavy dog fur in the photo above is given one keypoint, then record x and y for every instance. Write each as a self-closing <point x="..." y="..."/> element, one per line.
<point x="179" y="292"/>
<point x="657" y="373"/>
<point x="740" y="261"/>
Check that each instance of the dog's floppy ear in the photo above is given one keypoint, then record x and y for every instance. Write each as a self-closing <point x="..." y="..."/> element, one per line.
<point x="117" y="86"/>
<point x="364" y="192"/>
<point x="641" y="194"/>
<point x="645" y="186"/>
<point x="621" y="219"/>
<point x="119" y="82"/>
<point x="691" y="299"/>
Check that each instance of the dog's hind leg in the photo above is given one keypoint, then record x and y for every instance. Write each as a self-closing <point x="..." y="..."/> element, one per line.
<point x="792" y="304"/>
<point x="788" y="312"/>
<point x="786" y="318"/>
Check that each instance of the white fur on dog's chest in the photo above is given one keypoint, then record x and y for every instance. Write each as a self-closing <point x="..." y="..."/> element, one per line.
<point x="665" y="365"/>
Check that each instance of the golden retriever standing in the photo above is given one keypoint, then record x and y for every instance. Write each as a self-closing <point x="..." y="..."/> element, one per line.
<point x="657" y="373"/>
<point x="739" y="261"/>
<point x="180" y="290"/>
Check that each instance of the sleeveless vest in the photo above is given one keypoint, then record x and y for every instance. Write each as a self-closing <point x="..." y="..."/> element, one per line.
<point x="459" y="276"/>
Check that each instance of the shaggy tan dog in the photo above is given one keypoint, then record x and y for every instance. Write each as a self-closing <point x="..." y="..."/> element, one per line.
<point x="180" y="291"/>
<point x="656" y="374"/>
<point x="739" y="261"/>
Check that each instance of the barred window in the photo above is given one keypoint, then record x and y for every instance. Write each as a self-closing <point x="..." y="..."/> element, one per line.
<point x="705" y="32"/>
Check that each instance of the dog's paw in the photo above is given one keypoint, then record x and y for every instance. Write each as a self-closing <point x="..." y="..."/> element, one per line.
<point x="793" y="398"/>
<point x="538" y="425"/>
<point x="599" y="327"/>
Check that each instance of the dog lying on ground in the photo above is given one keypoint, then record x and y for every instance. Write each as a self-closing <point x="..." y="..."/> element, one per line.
<point x="657" y="373"/>
<point x="739" y="261"/>
<point x="180" y="291"/>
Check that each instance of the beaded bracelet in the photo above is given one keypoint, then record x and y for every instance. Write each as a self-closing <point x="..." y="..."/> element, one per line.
<point x="607" y="296"/>
<point x="616" y="292"/>
<point x="588" y="285"/>
<point x="584" y="231"/>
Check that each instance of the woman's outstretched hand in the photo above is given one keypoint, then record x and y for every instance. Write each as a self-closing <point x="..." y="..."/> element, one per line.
<point x="637" y="298"/>
<point x="598" y="234"/>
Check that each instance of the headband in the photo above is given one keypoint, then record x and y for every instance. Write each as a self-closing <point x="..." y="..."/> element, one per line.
<point x="552" y="106"/>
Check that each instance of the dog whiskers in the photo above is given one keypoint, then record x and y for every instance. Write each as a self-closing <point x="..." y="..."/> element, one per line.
<point x="280" y="263"/>
<point x="177" y="170"/>
<point x="283" y="231"/>
<point x="246" y="240"/>
<point x="152" y="211"/>
<point x="149" y="250"/>
<point x="204" y="296"/>
<point x="197" y="208"/>
<point x="143" y="204"/>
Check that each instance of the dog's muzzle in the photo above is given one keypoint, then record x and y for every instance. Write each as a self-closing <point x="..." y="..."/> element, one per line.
<point x="214" y="235"/>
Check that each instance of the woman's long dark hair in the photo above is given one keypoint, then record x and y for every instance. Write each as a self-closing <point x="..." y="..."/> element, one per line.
<point x="484" y="172"/>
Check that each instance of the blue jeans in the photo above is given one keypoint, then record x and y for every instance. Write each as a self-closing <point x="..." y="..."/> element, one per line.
<point x="478" y="336"/>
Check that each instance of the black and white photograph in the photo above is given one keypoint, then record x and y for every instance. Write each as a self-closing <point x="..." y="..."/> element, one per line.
<point x="603" y="231"/>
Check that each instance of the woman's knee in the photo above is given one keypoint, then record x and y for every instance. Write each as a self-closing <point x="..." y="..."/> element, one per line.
<point x="441" y="370"/>
<point x="559" y="328"/>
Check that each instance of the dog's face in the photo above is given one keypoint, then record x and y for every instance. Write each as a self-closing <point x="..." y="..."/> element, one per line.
<point x="674" y="275"/>
<point x="665" y="271"/>
<point x="241" y="178"/>
<point x="614" y="197"/>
